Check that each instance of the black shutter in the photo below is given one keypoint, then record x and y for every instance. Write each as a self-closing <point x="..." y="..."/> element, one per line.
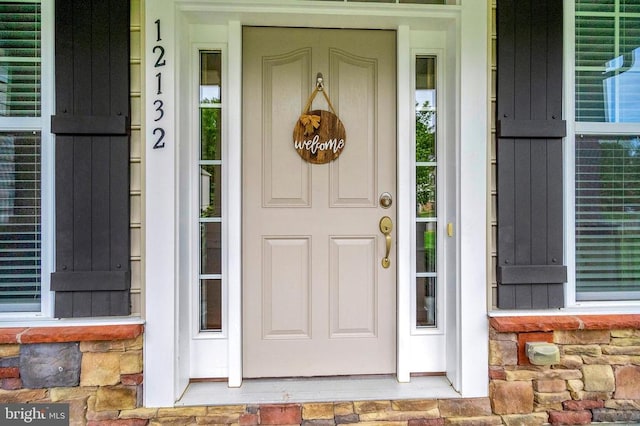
<point x="91" y="124"/>
<point x="529" y="154"/>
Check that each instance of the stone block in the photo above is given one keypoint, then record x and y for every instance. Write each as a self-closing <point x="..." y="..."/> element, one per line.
<point x="598" y="378"/>
<point x="511" y="397"/>
<point x="575" y="385"/>
<point x="134" y="344"/>
<point x="581" y="337"/>
<point x="395" y="416"/>
<point x="131" y="362"/>
<point x="594" y="396"/>
<point x="67" y="394"/>
<point x="626" y="341"/>
<point x="627" y="382"/>
<point x="497" y="373"/>
<point x="131" y="379"/>
<point x="465" y="407"/>
<point x="620" y="350"/>
<point x="182" y="412"/>
<point x="571" y="362"/>
<point x="582" y="405"/>
<point x="426" y="422"/>
<point x="589" y="350"/>
<point x="12" y="361"/>
<point x="544" y="408"/>
<point x="607" y="359"/>
<point x="360" y="407"/>
<point x="343" y="408"/>
<point x="48" y="365"/>
<point x="248" y="419"/>
<point x="11" y="383"/>
<point x="99" y="416"/>
<point x="317" y="411"/>
<point x="474" y="421"/>
<point x="169" y="421"/>
<point x="102" y="346"/>
<point x="570" y="417"/>
<point x="77" y="412"/>
<point x="533" y="419"/>
<point x="608" y="415"/>
<point x="625" y="333"/>
<point x="139" y="413"/>
<point x="495" y="335"/>
<point x="281" y="414"/>
<point x="115" y="398"/>
<point x="128" y="422"/>
<point x="7" y="351"/>
<point x="542" y="374"/>
<point x="503" y="352"/>
<point x="522" y="375"/>
<point x="622" y="404"/>
<point x="318" y="422"/>
<point x="227" y="409"/>
<point x="22" y="395"/>
<point x="100" y="369"/>
<point x="553" y="385"/>
<point x="551" y="397"/>
<point x="415" y="405"/>
<point x="9" y="372"/>
<point x="347" y="418"/>
<point x="220" y="419"/>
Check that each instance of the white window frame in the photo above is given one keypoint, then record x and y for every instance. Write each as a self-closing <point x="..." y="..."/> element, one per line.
<point x="47" y="172"/>
<point x="585" y="128"/>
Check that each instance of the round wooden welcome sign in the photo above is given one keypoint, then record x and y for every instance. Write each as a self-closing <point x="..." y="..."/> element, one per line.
<point x="319" y="136"/>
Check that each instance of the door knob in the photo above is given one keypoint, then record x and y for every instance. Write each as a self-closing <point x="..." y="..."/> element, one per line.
<point x="386" y="225"/>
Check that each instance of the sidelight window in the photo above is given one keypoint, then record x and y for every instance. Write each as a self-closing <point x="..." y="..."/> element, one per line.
<point x="210" y="193"/>
<point x="426" y="191"/>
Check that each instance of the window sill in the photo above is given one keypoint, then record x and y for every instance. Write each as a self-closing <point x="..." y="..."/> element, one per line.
<point x="569" y="321"/>
<point x="72" y="331"/>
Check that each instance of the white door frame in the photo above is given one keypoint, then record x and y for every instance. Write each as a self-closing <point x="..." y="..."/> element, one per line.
<point x="167" y="335"/>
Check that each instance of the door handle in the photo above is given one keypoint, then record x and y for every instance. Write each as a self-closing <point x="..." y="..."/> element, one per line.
<point x="386" y="225"/>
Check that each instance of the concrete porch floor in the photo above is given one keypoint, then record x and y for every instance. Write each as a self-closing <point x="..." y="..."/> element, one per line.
<point x="325" y="389"/>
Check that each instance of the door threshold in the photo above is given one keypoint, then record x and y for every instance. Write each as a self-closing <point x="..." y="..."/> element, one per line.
<point x="317" y="389"/>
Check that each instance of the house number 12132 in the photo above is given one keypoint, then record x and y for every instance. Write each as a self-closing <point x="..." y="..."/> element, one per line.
<point x="160" y="61"/>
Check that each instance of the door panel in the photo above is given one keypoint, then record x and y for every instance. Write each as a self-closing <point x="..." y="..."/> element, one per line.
<point x="316" y="300"/>
<point x="288" y="287"/>
<point x="286" y="179"/>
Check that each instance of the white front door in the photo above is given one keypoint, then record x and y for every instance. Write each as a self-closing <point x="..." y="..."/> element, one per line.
<point x="316" y="297"/>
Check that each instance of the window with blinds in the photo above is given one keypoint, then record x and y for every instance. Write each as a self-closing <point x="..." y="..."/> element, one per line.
<point x="607" y="163"/>
<point x="20" y="157"/>
<point x="19" y="59"/>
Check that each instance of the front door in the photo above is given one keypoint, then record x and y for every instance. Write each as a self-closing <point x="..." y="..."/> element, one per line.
<point x="317" y="300"/>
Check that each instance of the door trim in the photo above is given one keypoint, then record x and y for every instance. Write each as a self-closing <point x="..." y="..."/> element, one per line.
<point x="166" y="358"/>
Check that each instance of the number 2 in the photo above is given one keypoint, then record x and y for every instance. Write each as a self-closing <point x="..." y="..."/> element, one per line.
<point x="159" y="143"/>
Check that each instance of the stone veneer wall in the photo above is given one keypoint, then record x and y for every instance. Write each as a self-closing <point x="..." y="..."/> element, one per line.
<point x="98" y="372"/>
<point x="597" y="379"/>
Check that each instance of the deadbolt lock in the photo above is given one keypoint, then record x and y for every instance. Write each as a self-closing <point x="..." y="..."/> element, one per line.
<point x="386" y="200"/>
